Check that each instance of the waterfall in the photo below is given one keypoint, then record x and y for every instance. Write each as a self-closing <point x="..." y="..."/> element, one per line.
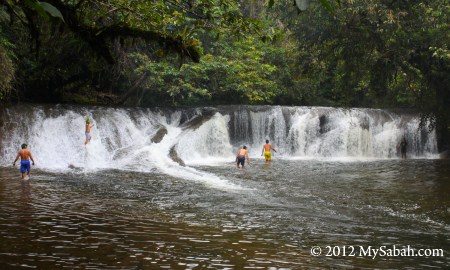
<point x="124" y="138"/>
<point x="319" y="132"/>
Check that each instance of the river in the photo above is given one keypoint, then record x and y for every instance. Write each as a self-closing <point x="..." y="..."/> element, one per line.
<point x="122" y="202"/>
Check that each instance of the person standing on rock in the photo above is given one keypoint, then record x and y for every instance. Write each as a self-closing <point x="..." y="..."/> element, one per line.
<point x="88" y="131"/>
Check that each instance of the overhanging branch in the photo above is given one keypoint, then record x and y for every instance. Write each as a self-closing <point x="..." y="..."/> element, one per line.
<point x="98" y="38"/>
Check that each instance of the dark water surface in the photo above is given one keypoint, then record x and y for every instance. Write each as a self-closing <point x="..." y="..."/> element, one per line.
<point x="269" y="217"/>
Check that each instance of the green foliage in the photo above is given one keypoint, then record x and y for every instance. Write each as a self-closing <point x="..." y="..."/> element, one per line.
<point x="373" y="53"/>
<point x="7" y="57"/>
<point x="242" y="71"/>
<point x="6" y="72"/>
<point x="45" y="9"/>
<point x="95" y="37"/>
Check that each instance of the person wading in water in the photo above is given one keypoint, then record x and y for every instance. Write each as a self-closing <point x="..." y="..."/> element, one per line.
<point x="403" y="145"/>
<point x="25" y="156"/>
<point x="266" y="152"/>
<point x="241" y="155"/>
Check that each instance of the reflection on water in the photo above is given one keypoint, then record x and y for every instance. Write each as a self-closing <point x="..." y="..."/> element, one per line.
<point x="129" y="220"/>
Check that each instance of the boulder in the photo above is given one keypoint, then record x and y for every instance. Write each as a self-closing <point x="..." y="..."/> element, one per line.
<point x="159" y="135"/>
<point x="174" y="156"/>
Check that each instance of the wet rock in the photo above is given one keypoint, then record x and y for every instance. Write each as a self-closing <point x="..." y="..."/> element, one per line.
<point x="159" y="135"/>
<point x="323" y="124"/>
<point x="73" y="167"/>
<point x="174" y="156"/>
<point x="199" y="120"/>
<point x="365" y="123"/>
<point x="445" y="154"/>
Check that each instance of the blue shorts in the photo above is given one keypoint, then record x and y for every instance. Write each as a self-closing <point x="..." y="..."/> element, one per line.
<point x="25" y="166"/>
<point x="88" y="136"/>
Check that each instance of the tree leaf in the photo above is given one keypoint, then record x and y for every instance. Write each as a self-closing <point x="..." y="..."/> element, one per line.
<point x="271" y="3"/>
<point x="326" y="4"/>
<point x="52" y="10"/>
<point x="37" y="7"/>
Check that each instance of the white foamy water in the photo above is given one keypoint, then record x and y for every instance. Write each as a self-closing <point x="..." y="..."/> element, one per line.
<point x="330" y="133"/>
<point x="122" y="138"/>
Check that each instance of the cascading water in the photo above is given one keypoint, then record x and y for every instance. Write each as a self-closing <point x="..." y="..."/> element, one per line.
<point x="121" y="139"/>
<point x="319" y="132"/>
<point x="160" y="188"/>
<point x="124" y="138"/>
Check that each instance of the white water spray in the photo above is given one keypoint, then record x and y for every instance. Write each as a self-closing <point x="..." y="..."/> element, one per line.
<point x="122" y="138"/>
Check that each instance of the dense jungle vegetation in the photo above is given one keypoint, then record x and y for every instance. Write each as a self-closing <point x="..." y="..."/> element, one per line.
<point x="351" y="53"/>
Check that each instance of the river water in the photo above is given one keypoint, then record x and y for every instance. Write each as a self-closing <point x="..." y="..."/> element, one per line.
<point x="336" y="187"/>
<point x="268" y="217"/>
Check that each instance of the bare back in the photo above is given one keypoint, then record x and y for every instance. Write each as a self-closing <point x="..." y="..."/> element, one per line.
<point x="242" y="152"/>
<point x="267" y="147"/>
<point x="25" y="154"/>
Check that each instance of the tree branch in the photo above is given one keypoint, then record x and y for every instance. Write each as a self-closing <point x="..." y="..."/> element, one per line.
<point x="98" y="38"/>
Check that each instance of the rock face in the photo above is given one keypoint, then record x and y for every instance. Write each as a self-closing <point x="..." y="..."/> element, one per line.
<point x="159" y="135"/>
<point x="199" y="120"/>
<point x="174" y="156"/>
<point x="323" y="123"/>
